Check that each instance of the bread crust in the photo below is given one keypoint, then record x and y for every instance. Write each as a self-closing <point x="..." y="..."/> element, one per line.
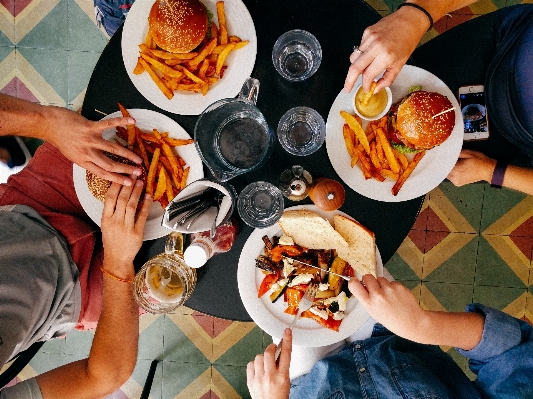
<point x="361" y="250"/>
<point x="416" y="125"/>
<point x="178" y="26"/>
<point x="310" y="230"/>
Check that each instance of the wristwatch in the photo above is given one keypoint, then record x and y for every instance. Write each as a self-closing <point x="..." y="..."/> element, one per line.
<point x="498" y="174"/>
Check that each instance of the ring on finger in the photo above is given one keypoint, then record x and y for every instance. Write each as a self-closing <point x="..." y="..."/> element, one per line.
<point x="357" y="50"/>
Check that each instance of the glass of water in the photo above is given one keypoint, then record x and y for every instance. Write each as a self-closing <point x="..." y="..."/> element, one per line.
<point x="260" y="204"/>
<point x="301" y="131"/>
<point x="296" y="55"/>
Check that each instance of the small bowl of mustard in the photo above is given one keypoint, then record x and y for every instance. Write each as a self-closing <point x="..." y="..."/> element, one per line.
<point x="371" y="106"/>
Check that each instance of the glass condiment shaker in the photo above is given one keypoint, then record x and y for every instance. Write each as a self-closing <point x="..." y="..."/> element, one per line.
<point x="295" y="183"/>
<point x="165" y="281"/>
<point x="203" y="246"/>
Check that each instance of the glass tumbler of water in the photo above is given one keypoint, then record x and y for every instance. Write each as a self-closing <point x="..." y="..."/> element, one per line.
<point x="296" y="55"/>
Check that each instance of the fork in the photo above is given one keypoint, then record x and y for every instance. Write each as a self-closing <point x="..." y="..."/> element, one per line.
<point x="305" y="303"/>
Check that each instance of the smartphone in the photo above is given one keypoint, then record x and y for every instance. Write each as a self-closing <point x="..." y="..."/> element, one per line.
<point x="474" y="112"/>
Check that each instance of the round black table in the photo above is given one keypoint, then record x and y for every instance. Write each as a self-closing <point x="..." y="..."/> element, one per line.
<point x="338" y="26"/>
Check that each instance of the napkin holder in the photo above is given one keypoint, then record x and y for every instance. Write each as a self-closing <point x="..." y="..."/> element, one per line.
<point x="204" y="222"/>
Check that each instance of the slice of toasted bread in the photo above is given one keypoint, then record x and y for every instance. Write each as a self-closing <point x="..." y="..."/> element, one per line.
<point x="310" y="230"/>
<point x="361" y="250"/>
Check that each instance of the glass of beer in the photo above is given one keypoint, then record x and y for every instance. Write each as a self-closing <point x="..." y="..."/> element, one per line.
<point x="165" y="281"/>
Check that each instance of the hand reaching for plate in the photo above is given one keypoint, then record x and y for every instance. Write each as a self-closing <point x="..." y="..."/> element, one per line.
<point x="385" y="46"/>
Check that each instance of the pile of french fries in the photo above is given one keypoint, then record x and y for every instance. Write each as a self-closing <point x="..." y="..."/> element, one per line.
<point x="194" y="71"/>
<point x="166" y="172"/>
<point x="373" y="151"/>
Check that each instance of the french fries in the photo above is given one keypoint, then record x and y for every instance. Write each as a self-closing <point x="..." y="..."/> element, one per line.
<point x="374" y="153"/>
<point x="194" y="71"/>
<point x="167" y="172"/>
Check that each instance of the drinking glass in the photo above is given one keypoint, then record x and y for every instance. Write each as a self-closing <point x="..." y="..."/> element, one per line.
<point x="165" y="281"/>
<point x="301" y="131"/>
<point x="260" y="204"/>
<point x="296" y="55"/>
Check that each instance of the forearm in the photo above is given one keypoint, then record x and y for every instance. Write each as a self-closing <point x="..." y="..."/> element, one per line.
<point x="113" y="352"/>
<point x="518" y="178"/>
<point x="21" y="118"/>
<point x="461" y="330"/>
<point x="115" y="344"/>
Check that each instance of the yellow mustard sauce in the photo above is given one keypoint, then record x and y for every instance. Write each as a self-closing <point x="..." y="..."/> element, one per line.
<point x="376" y="104"/>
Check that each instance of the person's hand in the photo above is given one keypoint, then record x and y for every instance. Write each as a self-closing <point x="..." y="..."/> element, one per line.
<point x="81" y="141"/>
<point x="265" y="378"/>
<point x="123" y="225"/>
<point x="472" y="166"/>
<point x="390" y="303"/>
<point x="386" y="46"/>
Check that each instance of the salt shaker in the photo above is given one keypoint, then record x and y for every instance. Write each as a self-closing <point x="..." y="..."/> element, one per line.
<point x="295" y="183"/>
<point x="203" y="247"/>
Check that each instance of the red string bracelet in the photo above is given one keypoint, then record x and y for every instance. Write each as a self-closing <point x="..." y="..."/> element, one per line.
<point x="115" y="277"/>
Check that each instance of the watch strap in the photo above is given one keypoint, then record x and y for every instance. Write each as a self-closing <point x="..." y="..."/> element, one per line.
<point x="498" y="174"/>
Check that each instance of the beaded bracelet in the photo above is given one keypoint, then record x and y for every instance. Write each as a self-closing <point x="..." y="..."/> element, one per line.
<point x="421" y="9"/>
<point x="115" y="277"/>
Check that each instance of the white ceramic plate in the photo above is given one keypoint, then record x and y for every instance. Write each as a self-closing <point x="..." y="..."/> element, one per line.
<point x="146" y="120"/>
<point x="240" y="62"/>
<point x="270" y="316"/>
<point x="431" y="170"/>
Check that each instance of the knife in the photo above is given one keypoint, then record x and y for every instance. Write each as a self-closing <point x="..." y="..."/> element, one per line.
<point x="316" y="267"/>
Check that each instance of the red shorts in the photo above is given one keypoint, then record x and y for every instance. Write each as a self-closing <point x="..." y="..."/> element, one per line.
<point x="46" y="185"/>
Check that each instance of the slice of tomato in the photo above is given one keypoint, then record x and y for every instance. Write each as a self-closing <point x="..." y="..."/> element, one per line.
<point x="266" y="284"/>
<point x="330" y="323"/>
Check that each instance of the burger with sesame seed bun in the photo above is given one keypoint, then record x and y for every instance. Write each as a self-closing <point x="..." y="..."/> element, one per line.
<point x="418" y="121"/>
<point x="178" y="26"/>
<point x="98" y="186"/>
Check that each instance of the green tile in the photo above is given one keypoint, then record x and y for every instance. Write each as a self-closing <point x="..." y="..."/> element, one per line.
<point x="393" y="4"/>
<point x="177" y="376"/>
<point x="236" y="376"/>
<point x="467" y="199"/>
<point x="43" y="362"/>
<point x="267" y="340"/>
<point x="79" y="342"/>
<point x="492" y="269"/>
<point x="454" y="297"/>
<point x="82" y="31"/>
<point x="4" y="41"/>
<point x="51" y="32"/>
<point x="459" y="268"/>
<point x="54" y="346"/>
<point x="151" y="340"/>
<point x="4" y="52"/>
<point x="497" y="297"/>
<point x="244" y="350"/>
<point x="80" y="68"/>
<point x="400" y="270"/>
<point x="140" y="373"/>
<point x="497" y="203"/>
<point x="179" y="348"/>
<point x="52" y="65"/>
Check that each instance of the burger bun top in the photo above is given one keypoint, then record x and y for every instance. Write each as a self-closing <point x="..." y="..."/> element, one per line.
<point x="178" y="26"/>
<point x="415" y="122"/>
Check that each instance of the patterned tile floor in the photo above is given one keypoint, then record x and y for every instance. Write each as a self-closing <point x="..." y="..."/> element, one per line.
<point x="468" y="244"/>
